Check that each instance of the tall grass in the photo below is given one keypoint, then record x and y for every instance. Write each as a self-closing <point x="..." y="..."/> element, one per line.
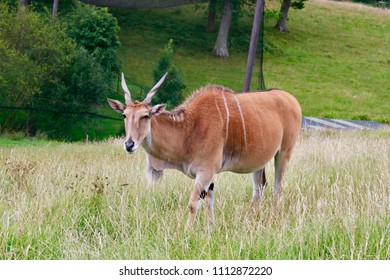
<point x="78" y="201"/>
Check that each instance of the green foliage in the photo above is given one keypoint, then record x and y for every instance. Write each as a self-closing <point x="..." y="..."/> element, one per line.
<point x="85" y="77"/>
<point x="171" y="90"/>
<point x="42" y="66"/>
<point x="64" y="6"/>
<point x="40" y="44"/>
<point x="16" y="86"/>
<point x="328" y="115"/>
<point x="84" y="85"/>
<point x="362" y="117"/>
<point x="36" y="54"/>
<point x="323" y="61"/>
<point x="95" y="30"/>
<point x="298" y="4"/>
<point x="10" y="3"/>
<point x="240" y="8"/>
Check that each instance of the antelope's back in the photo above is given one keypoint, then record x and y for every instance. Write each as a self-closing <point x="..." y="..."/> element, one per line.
<point x="272" y="110"/>
<point x="260" y="124"/>
<point x="274" y="102"/>
<point x="248" y="128"/>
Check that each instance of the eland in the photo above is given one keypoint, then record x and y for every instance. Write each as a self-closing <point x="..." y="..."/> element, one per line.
<point x="214" y="130"/>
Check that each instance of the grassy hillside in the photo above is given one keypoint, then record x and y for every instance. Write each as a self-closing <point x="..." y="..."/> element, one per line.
<point x="77" y="201"/>
<point x="335" y="59"/>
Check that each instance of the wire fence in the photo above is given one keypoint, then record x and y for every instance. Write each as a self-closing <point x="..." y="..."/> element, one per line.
<point x="138" y="92"/>
<point x="85" y="116"/>
<point x="136" y="4"/>
<point x="11" y="108"/>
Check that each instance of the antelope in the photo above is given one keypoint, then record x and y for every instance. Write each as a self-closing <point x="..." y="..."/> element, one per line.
<point x="214" y="130"/>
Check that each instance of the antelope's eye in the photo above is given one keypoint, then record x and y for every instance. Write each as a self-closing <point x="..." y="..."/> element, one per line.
<point x="145" y="117"/>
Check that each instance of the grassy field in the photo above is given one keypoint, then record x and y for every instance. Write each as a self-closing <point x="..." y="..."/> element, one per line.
<point x="92" y="201"/>
<point x="335" y="59"/>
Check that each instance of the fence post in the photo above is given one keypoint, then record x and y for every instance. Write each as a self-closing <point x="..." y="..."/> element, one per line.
<point x="257" y="24"/>
<point x="86" y="129"/>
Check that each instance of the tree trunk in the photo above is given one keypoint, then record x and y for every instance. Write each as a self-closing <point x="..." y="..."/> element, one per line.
<point x="55" y="9"/>
<point x="220" y="48"/>
<point x="211" y="16"/>
<point x="281" y="25"/>
<point x="23" y="4"/>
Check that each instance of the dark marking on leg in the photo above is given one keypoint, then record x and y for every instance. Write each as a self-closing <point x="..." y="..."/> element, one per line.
<point x="263" y="178"/>
<point x="211" y="187"/>
<point x="203" y="194"/>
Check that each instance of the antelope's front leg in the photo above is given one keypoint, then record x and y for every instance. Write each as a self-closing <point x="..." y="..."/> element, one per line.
<point x="210" y="205"/>
<point x="259" y="184"/>
<point x="202" y="183"/>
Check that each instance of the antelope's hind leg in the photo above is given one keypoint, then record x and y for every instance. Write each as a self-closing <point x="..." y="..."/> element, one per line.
<point x="281" y="161"/>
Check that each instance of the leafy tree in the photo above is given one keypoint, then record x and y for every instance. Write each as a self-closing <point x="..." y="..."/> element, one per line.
<point x="40" y="5"/>
<point x="43" y="46"/>
<point x="231" y="9"/>
<point x="281" y="24"/>
<point x="84" y="85"/>
<point x="42" y="67"/>
<point x="15" y="79"/>
<point x="95" y="30"/>
<point x="85" y="77"/>
<point x="220" y="47"/>
<point x="94" y="65"/>
<point x="171" y="90"/>
<point x="212" y="11"/>
<point x="10" y="3"/>
<point x="35" y="54"/>
<point x="16" y="84"/>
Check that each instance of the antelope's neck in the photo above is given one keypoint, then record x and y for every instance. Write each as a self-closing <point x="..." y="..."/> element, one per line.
<point x="166" y="137"/>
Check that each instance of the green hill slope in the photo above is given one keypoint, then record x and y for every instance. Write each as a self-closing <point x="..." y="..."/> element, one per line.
<point x="335" y="59"/>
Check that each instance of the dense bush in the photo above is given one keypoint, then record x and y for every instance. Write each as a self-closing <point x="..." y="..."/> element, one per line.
<point x="41" y="44"/>
<point x="95" y="30"/>
<point x="16" y="85"/>
<point x="35" y="55"/>
<point x="43" y="66"/>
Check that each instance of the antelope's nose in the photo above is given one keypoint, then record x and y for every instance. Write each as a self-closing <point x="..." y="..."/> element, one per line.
<point x="129" y="145"/>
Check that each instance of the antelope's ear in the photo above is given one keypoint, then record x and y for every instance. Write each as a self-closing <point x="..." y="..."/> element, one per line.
<point x="116" y="105"/>
<point x="157" y="109"/>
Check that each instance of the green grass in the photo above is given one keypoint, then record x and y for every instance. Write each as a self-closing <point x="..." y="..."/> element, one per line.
<point x="334" y="59"/>
<point x="78" y="201"/>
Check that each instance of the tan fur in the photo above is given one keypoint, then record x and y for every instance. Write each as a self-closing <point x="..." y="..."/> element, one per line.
<point x="272" y="122"/>
<point x="218" y="130"/>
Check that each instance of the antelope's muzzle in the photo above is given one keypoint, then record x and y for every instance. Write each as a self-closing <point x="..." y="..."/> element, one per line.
<point x="129" y="146"/>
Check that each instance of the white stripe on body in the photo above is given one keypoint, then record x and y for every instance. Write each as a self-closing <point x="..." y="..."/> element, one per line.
<point x="227" y="117"/>
<point x="242" y="119"/>
<point x="219" y="111"/>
